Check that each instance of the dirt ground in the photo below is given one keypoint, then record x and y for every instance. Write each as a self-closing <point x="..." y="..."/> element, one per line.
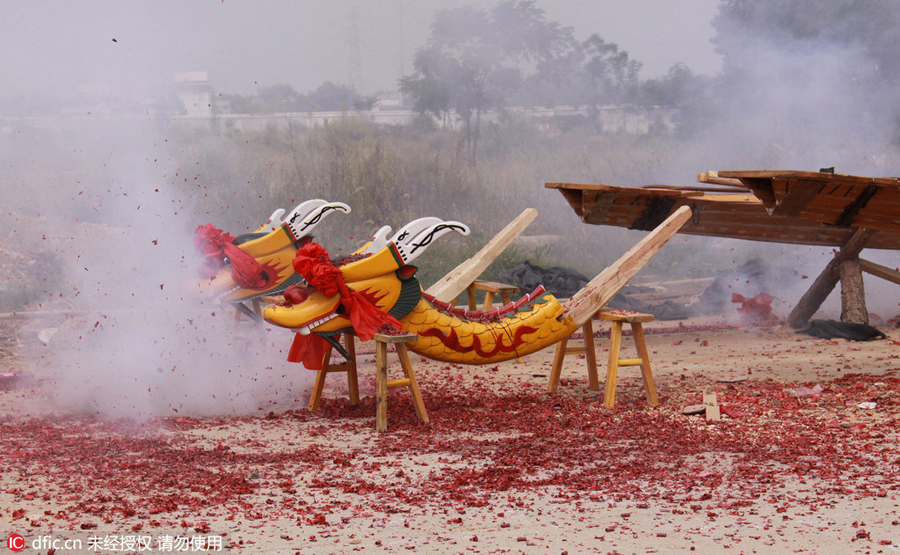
<point x="804" y="459"/>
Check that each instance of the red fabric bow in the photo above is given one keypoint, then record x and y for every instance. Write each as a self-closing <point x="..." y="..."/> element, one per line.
<point x="217" y="245"/>
<point x="315" y="266"/>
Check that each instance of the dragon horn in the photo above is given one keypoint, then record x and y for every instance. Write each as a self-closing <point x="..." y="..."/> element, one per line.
<point x="306" y="216"/>
<point x="416" y="236"/>
<point x="378" y="241"/>
<point x="269" y="226"/>
<point x="413" y="228"/>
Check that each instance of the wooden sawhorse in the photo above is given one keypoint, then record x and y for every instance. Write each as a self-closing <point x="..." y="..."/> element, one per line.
<point x="382" y="384"/>
<point x="618" y="318"/>
<point x="348" y="366"/>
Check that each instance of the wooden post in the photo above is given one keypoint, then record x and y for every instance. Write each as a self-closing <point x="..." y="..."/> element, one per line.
<point x="381" y="388"/>
<point x="590" y="355"/>
<point x="612" y="370"/>
<point x="556" y="370"/>
<point x="637" y="333"/>
<point x="853" y="293"/>
<point x="383" y="384"/>
<point x="810" y="302"/>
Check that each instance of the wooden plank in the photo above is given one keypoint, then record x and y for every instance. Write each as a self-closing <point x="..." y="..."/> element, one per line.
<point x="818" y="176"/>
<point x="450" y="286"/>
<point x="878" y="270"/>
<point x="763" y="190"/>
<point x="596" y="204"/>
<point x="714" y="178"/>
<point x="743" y="216"/>
<point x="797" y="196"/>
<point x="853" y="209"/>
<point x="711" y="405"/>
<point x="602" y="288"/>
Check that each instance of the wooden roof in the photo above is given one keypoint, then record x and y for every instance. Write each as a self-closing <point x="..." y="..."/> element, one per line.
<point x="834" y="199"/>
<point x="808" y="208"/>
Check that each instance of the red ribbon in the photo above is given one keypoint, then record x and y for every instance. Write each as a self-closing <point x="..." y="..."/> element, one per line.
<point x="315" y="266"/>
<point x="217" y="245"/>
<point x="308" y="350"/>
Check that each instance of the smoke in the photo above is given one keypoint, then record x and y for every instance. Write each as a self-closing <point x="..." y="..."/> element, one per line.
<point x="795" y="101"/>
<point x="109" y="203"/>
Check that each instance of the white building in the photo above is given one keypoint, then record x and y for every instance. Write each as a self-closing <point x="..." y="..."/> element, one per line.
<point x="195" y="92"/>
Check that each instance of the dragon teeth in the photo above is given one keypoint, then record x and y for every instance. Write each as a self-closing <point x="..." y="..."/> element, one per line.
<point x="307" y="329"/>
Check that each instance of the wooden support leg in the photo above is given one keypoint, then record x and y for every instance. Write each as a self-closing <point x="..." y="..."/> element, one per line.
<point x="853" y="293"/>
<point x="319" y="384"/>
<point x="590" y="356"/>
<point x="637" y="331"/>
<point x="556" y="371"/>
<point x="615" y="344"/>
<point x="352" y="380"/>
<point x="470" y="293"/>
<point x="383" y="385"/>
<point x="381" y="388"/>
<point x="810" y="302"/>
<point x="418" y="403"/>
<point x="348" y="366"/>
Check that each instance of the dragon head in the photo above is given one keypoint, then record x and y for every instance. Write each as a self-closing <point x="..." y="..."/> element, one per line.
<point x="372" y="289"/>
<point x="258" y="264"/>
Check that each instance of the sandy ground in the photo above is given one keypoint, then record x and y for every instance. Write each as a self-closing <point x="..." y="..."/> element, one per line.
<point x="503" y="467"/>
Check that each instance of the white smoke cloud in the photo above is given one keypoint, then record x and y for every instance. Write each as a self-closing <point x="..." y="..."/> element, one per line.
<point x="120" y="225"/>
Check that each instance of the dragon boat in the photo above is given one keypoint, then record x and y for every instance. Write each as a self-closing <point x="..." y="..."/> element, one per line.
<point x="375" y="290"/>
<point x="378" y="291"/>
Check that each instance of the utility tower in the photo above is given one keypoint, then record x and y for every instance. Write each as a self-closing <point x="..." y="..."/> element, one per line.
<point x="354" y="65"/>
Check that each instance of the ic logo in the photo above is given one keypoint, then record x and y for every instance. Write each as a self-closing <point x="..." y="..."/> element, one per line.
<point x="15" y="542"/>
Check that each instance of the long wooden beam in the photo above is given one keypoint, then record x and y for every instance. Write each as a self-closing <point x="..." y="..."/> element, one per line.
<point x="454" y="283"/>
<point x="878" y="270"/>
<point x="600" y="290"/>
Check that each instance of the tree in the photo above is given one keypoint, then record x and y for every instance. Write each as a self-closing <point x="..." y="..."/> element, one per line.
<point x="279" y="98"/>
<point x="612" y="76"/>
<point x="476" y="59"/>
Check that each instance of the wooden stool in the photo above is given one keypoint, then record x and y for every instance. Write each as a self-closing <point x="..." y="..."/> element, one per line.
<point x="618" y="318"/>
<point x="490" y="289"/>
<point x="382" y="384"/>
<point x="348" y="366"/>
<point x="636" y="319"/>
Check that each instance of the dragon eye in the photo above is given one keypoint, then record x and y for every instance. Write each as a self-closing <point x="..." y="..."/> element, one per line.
<point x="296" y="294"/>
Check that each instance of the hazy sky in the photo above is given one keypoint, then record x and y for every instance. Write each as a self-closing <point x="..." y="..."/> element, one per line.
<point x="57" y="46"/>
